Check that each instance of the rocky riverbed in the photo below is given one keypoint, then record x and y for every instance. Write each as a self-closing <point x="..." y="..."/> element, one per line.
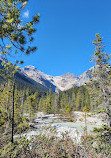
<point x="43" y="123"/>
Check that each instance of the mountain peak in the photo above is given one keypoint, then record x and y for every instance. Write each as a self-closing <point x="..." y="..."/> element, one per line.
<point x="30" y="66"/>
<point x="63" y="82"/>
<point x="68" y="75"/>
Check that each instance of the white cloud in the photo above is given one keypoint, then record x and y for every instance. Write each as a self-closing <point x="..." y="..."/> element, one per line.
<point x="26" y="14"/>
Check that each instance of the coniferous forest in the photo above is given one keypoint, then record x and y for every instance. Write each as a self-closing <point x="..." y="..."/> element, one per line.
<point x="20" y="101"/>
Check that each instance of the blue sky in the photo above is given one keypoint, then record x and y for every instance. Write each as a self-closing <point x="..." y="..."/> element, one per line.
<point x="65" y="33"/>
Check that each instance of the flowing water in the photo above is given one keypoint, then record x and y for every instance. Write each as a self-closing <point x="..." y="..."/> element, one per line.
<point x="75" y="129"/>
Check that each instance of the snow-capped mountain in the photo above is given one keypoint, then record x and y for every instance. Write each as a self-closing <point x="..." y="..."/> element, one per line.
<point x="57" y="83"/>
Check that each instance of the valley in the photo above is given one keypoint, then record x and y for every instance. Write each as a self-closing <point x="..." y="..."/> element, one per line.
<point x="57" y="83"/>
<point x="64" y="116"/>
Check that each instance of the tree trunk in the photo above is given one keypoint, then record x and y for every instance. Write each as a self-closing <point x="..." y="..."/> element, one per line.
<point x="12" y="134"/>
<point x="22" y="102"/>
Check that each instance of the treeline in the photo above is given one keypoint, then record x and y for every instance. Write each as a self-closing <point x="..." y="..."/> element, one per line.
<point x="25" y="104"/>
<point x="28" y="101"/>
<point x="65" y="102"/>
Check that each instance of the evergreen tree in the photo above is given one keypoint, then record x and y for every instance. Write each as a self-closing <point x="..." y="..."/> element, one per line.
<point x="80" y="99"/>
<point x="17" y="33"/>
<point x="101" y="74"/>
<point x="73" y="98"/>
<point x="13" y="30"/>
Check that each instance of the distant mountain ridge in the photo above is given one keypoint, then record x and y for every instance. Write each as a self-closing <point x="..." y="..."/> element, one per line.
<point x="32" y="76"/>
<point x="23" y="80"/>
<point x="57" y="83"/>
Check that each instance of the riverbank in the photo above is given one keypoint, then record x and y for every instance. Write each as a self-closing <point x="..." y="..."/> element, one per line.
<point x="61" y="125"/>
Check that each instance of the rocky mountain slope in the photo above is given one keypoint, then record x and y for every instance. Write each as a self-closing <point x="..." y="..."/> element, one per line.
<point x="63" y="82"/>
<point x="24" y="81"/>
<point x="30" y="75"/>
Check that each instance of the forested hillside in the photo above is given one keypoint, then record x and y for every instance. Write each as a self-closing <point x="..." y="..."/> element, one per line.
<point x="22" y="81"/>
<point x="67" y="101"/>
